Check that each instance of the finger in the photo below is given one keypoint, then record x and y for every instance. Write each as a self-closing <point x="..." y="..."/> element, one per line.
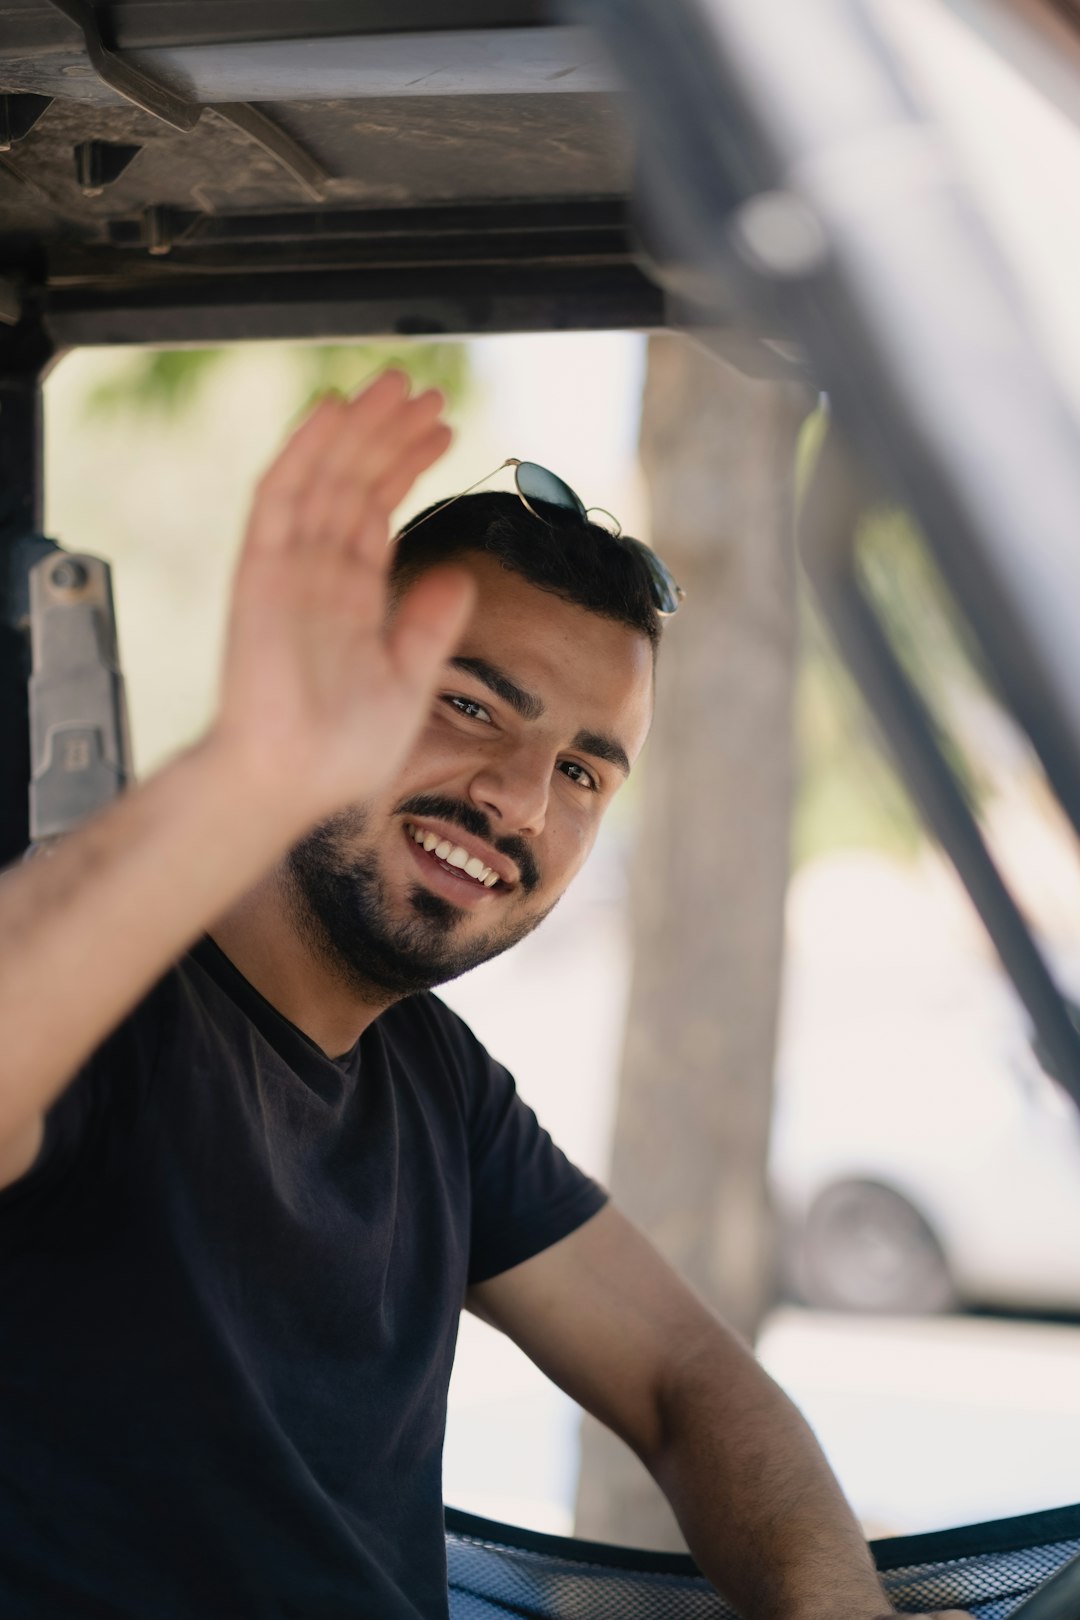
<point x="369" y="538"/>
<point x="374" y="422"/>
<point x="379" y="398"/>
<point x="365" y="457"/>
<point x="359" y="585"/>
<point x="396" y="483"/>
<point x="347" y="481"/>
<point x="283" y="481"/>
<point x="428" y="625"/>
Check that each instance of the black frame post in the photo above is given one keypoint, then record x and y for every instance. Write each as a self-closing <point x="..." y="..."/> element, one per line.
<point x="25" y="352"/>
<point x="832" y="507"/>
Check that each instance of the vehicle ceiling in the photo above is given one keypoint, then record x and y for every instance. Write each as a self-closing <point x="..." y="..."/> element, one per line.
<point x="196" y="170"/>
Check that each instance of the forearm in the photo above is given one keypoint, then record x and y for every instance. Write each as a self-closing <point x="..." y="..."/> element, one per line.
<point x="322" y="695"/>
<point x="86" y="930"/>
<point x="756" y="1499"/>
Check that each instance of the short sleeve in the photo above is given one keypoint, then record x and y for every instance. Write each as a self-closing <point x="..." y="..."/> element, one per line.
<point x="526" y="1194"/>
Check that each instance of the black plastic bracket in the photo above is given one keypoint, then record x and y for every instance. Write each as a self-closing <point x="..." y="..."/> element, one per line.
<point x="25" y="351"/>
<point x="18" y="115"/>
<point x="99" y="163"/>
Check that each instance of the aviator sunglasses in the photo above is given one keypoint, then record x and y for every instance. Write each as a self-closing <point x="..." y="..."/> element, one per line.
<point x="535" y="483"/>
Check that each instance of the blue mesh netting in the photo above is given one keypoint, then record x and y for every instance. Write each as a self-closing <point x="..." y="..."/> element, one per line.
<point x="497" y="1572"/>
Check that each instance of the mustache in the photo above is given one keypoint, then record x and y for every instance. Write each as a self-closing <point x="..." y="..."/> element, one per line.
<point x="475" y="822"/>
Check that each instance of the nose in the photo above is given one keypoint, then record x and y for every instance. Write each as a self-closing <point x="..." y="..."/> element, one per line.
<point x="513" y="790"/>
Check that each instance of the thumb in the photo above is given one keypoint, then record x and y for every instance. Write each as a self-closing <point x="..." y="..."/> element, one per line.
<point x="427" y="625"/>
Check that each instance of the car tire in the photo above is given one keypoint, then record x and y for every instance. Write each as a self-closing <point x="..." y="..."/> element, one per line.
<point x="865" y="1247"/>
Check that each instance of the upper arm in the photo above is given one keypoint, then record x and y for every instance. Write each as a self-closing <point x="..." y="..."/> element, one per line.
<point x="608" y="1320"/>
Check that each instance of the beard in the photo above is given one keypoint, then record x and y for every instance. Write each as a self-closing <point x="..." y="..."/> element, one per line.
<point x="345" y="914"/>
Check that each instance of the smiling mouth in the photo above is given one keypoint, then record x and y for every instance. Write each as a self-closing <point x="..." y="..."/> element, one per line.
<point x="453" y="859"/>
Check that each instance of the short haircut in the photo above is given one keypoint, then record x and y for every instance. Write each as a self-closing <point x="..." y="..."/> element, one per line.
<point x="581" y="562"/>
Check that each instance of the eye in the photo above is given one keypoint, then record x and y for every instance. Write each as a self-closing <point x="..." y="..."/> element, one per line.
<point x="579" y="775"/>
<point x="468" y="707"/>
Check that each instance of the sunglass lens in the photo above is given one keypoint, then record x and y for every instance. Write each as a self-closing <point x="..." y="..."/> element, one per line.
<point x="535" y="483"/>
<point x="666" y="593"/>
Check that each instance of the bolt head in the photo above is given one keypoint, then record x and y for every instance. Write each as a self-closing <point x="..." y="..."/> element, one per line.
<point x="779" y="234"/>
<point x="68" y="575"/>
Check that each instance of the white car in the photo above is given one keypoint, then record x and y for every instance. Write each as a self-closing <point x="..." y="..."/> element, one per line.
<point x="920" y="1156"/>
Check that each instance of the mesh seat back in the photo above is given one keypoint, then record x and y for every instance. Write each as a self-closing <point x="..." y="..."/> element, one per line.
<point x="498" y="1571"/>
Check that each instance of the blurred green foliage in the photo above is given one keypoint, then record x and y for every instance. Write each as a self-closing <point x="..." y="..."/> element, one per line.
<point x="927" y="633"/>
<point x="850" y="794"/>
<point x="166" y="382"/>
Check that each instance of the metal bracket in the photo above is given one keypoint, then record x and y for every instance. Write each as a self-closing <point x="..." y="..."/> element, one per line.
<point x="130" y="82"/>
<point x="23" y="555"/>
<point x="80" y="750"/>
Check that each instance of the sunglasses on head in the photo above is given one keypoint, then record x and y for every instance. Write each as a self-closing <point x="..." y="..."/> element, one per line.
<point x="535" y="483"/>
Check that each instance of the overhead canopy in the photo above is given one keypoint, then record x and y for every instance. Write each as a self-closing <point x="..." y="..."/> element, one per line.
<point x="204" y="170"/>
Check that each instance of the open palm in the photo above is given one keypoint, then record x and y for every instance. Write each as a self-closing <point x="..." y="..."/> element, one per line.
<point x="323" y="690"/>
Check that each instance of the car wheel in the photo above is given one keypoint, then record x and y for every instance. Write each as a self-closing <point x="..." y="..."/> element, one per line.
<point x="866" y="1248"/>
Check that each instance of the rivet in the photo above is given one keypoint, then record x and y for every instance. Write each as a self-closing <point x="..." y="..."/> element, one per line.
<point x="68" y="575"/>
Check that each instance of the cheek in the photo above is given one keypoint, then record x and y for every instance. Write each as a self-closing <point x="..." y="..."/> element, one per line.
<point x="568" y="849"/>
<point x="435" y="755"/>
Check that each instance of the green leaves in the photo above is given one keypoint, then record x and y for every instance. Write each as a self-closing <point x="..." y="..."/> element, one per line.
<point x="166" y="383"/>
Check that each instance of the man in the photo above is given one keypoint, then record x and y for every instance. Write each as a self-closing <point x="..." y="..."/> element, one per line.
<point x="249" y="1188"/>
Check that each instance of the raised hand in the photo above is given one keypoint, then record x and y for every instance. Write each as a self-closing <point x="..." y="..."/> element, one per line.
<point x="322" y="693"/>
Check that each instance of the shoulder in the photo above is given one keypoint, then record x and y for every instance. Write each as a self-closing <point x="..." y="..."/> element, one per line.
<point x="424" y="1026"/>
<point x="427" y="1039"/>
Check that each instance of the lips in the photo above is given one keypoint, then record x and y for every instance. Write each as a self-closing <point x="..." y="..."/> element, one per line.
<point x="454" y="857"/>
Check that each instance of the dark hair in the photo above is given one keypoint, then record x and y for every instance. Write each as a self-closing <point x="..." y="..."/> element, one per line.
<point x="581" y="562"/>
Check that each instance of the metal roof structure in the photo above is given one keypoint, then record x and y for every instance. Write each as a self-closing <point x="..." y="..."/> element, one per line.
<point x="216" y="169"/>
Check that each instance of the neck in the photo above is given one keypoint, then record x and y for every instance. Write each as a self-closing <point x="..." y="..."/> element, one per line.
<point x="263" y="937"/>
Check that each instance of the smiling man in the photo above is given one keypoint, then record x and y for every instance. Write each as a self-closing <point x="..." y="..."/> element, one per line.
<point x="496" y="807"/>
<point x="252" y="1170"/>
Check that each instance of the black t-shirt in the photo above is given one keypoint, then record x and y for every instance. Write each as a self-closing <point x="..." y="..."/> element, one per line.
<point x="229" y="1297"/>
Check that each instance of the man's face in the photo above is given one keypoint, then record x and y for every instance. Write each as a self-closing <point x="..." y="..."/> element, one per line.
<point x="531" y="733"/>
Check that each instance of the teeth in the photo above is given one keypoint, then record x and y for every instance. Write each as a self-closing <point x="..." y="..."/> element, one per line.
<point x="454" y="855"/>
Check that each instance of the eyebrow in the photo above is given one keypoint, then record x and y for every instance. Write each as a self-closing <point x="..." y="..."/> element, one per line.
<point x="527" y="704"/>
<point x="606" y="748"/>
<point x="531" y="707"/>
